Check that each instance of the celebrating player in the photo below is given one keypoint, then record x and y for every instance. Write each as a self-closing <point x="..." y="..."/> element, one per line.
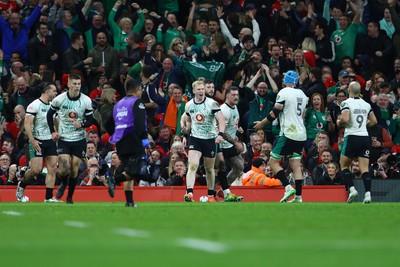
<point x="200" y="120"/>
<point x="289" y="106"/>
<point x="75" y="113"/>
<point x="40" y="144"/>
<point x="355" y="113"/>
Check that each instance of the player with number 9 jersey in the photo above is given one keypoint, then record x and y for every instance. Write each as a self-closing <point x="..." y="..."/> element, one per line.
<point x="359" y="112"/>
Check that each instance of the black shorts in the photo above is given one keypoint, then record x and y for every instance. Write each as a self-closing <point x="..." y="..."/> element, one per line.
<point x="287" y="147"/>
<point x="219" y="149"/>
<point x="76" y="148"/>
<point x="48" y="147"/>
<point x="207" y="147"/>
<point x="356" y="146"/>
<point x="230" y="152"/>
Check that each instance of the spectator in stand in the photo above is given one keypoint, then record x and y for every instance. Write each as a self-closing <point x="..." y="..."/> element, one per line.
<point x="257" y="177"/>
<point x="261" y="103"/>
<point x="314" y="157"/>
<point x="167" y="75"/>
<point x="321" y="169"/>
<point x="354" y="77"/>
<point x="164" y="139"/>
<point x="301" y="66"/>
<point x="347" y="62"/>
<point x="316" y="119"/>
<point x="95" y="93"/>
<point x="13" y="69"/>
<point x="238" y="42"/>
<point x="379" y="51"/>
<point x="24" y="95"/>
<point x="376" y="79"/>
<point x="332" y="176"/>
<point x="32" y="78"/>
<point x="149" y="27"/>
<point x="41" y="49"/>
<point x="93" y="24"/>
<point x="253" y="151"/>
<point x="315" y="84"/>
<point x="175" y="110"/>
<point x="116" y="166"/>
<point x="9" y="6"/>
<point x="344" y="37"/>
<point x="92" y="174"/>
<point x="178" y="174"/>
<point x="105" y="61"/>
<point x="384" y="89"/>
<point x="342" y="84"/>
<point x="395" y="82"/>
<point x="9" y="147"/>
<point x="325" y="48"/>
<point x="63" y="32"/>
<point x="15" y="33"/>
<point x="106" y="105"/>
<point x="392" y="4"/>
<point x="125" y="26"/>
<point x="380" y="139"/>
<point x="93" y="136"/>
<point x="309" y="49"/>
<point x="355" y="169"/>
<point x="167" y="164"/>
<point x="267" y="47"/>
<point x="7" y="170"/>
<point x="133" y="54"/>
<point x="21" y="140"/>
<point x="74" y="57"/>
<point x="285" y="24"/>
<point x="275" y="58"/>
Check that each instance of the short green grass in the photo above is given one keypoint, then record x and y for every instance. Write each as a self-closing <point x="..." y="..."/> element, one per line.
<point x="200" y="234"/>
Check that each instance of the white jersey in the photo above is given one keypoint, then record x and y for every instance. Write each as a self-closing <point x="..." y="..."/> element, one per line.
<point x="294" y="103"/>
<point x="67" y="109"/>
<point x="231" y="117"/>
<point x="38" y="110"/>
<point x="203" y="119"/>
<point x="359" y="112"/>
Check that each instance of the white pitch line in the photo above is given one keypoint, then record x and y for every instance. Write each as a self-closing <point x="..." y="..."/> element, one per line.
<point x="131" y="232"/>
<point x="204" y="245"/>
<point x="12" y="213"/>
<point x="76" y="224"/>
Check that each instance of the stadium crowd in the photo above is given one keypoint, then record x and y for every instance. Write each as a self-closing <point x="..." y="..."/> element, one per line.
<point x="168" y="45"/>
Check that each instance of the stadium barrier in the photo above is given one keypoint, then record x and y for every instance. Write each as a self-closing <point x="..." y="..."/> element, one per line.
<point x="382" y="190"/>
<point x="175" y="193"/>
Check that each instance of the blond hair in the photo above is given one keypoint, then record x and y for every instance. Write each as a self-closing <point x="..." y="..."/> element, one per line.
<point x="123" y="20"/>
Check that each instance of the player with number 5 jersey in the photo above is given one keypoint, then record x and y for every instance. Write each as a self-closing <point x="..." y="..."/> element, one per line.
<point x="289" y="106"/>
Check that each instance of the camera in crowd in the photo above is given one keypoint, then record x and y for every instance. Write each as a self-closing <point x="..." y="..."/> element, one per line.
<point x="386" y="166"/>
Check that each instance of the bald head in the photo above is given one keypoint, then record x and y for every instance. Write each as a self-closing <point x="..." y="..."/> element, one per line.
<point x="354" y="89"/>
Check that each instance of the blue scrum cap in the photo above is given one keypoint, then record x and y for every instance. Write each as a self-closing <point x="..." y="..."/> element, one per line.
<point x="290" y="77"/>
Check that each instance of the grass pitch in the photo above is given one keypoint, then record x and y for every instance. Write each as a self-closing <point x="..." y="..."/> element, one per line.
<point x="199" y="234"/>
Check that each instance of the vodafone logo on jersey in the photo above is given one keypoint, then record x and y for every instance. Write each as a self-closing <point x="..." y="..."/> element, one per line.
<point x="199" y="117"/>
<point x="72" y="115"/>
